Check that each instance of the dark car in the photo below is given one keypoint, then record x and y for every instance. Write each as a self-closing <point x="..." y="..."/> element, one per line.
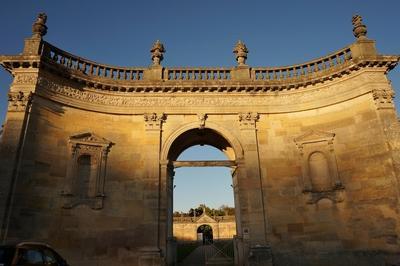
<point x="30" y="253"/>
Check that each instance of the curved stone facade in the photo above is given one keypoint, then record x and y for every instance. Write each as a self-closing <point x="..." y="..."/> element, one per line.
<point x="88" y="152"/>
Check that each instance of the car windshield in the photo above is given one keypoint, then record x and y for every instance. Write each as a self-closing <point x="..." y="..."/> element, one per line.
<point x="6" y="255"/>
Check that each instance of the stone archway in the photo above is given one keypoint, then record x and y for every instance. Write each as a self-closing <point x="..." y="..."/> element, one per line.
<point x="225" y="134"/>
<point x="187" y="136"/>
<point x="207" y="233"/>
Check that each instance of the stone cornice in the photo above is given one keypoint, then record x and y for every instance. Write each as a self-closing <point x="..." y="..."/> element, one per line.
<point x="97" y="87"/>
<point x="15" y="63"/>
<point x="316" y="96"/>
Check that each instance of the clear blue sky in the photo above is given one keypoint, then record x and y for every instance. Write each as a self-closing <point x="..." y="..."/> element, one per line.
<point x="199" y="33"/>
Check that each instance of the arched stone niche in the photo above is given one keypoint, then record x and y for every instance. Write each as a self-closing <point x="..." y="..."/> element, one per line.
<point x="84" y="182"/>
<point x="320" y="178"/>
<point x="319" y="171"/>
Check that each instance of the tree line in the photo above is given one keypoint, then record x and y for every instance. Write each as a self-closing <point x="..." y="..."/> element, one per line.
<point x="221" y="211"/>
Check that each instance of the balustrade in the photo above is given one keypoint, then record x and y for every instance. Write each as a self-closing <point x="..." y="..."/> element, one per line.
<point x="197" y="74"/>
<point x="303" y="70"/>
<point x="91" y="68"/>
<point x="290" y="73"/>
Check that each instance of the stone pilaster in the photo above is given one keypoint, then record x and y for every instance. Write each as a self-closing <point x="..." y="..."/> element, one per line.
<point x="384" y="101"/>
<point x="16" y="123"/>
<point x="166" y="212"/>
<point x="249" y="174"/>
<point x="254" y="220"/>
<point x="152" y="181"/>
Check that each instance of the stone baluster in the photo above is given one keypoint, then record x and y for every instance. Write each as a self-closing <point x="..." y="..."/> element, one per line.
<point x="323" y="64"/>
<point x="338" y="59"/>
<point x="330" y="62"/>
<point x="316" y="68"/>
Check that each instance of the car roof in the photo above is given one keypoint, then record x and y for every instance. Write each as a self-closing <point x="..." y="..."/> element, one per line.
<point x="32" y="243"/>
<point x="26" y="243"/>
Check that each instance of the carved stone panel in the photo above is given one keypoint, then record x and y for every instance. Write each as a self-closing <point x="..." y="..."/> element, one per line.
<point x="26" y="79"/>
<point x="248" y="120"/>
<point x="320" y="176"/>
<point x="384" y="98"/>
<point x="202" y="120"/>
<point x="86" y="171"/>
<point x="153" y="121"/>
<point x="393" y="137"/>
<point x="19" y="101"/>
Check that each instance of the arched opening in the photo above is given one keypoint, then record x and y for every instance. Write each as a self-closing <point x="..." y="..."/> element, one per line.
<point x="205" y="233"/>
<point x="203" y="194"/>
<point x="188" y="161"/>
<point x="197" y="136"/>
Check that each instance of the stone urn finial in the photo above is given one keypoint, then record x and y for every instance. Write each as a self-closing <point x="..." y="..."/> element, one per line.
<point x="157" y="51"/>
<point x="39" y="28"/>
<point x="359" y="29"/>
<point x="240" y="50"/>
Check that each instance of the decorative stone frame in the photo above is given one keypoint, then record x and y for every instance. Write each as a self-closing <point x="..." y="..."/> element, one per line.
<point x="322" y="142"/>
<point x="97" y="148"/>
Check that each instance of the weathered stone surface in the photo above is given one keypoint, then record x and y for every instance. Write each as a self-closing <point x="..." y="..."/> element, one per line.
<point x="314" y="151"/>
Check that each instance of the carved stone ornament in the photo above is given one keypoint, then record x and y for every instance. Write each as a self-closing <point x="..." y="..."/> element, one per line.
<point x="248" y="120"/>
<point x="320" y="176"/>
<point x="383" y="98"/>
<point x="19" y="101"/>
<point x="392" y="132"/>
<point x="25" y="79"/>
<point x="153" y="121"/>
<point x="202" y="120"/>
<point x="66" y="94"/>
<point x="240" y="50"/>
<point x="359" y="29"/>
<point x="157" y="53"/>
<point x="39" y="28"/>
<point x="86" y="172"/>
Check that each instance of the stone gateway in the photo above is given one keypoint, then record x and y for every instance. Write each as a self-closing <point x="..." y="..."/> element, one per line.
<point x="88" y="153"/>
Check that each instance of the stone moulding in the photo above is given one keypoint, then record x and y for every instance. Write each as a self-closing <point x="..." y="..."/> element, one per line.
<point x="268" y="102"/>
